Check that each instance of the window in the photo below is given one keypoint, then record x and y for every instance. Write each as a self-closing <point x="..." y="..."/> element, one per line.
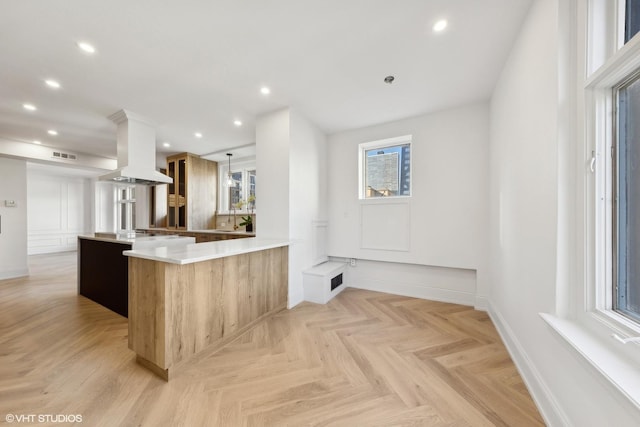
<point x="241" y="188"/>
<point x="614" y="97"/>
<point x="126" y="212"/>
<point x="235" y="189"/>
<point x="626" y="205"/>
<point x="596" y="195"/>
<point x="385" y="168"/>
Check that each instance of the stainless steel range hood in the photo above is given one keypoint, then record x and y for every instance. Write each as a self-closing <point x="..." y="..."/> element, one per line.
<point x="136" y="139"/>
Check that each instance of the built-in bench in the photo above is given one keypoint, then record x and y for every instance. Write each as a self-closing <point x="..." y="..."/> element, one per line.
<point x="323" y="281"/>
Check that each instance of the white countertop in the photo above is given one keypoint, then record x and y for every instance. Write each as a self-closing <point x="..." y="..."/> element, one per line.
<point x="188" y="254"/>
<point x="143" y="242"/>
<point x="206" y="231"/>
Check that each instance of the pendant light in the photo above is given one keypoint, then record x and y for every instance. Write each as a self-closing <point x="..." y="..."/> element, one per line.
<point x="229" y="184"/>
<point x="229" y="179"/>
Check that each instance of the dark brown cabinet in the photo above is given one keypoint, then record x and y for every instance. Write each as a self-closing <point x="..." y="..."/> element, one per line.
<point x="103" y="273"/>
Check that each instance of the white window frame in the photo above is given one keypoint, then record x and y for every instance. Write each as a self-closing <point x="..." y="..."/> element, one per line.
<point x="584" y="316"/>
<point x="600" y="134"/>
<point x="243" y="166"/>
<point x="383" y="143"/>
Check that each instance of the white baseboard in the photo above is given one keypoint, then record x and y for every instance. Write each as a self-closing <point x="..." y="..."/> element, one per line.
<point x="434" y="294"/>
<point x="294" y="300"/>
<point x="12" y="274"/>
<point x="52" y="250"/>
<point x="482" y="303"/>
<point x="548" y="406"/>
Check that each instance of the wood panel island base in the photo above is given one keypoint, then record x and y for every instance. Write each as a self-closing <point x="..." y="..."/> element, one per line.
<point x="185" y="300"/>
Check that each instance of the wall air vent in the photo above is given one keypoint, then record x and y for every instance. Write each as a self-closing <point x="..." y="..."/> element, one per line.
<point x="336" y="281"/>
<point x="66" y="156"/>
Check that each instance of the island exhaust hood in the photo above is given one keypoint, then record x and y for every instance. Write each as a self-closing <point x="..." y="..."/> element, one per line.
<point x="136" y="139"/>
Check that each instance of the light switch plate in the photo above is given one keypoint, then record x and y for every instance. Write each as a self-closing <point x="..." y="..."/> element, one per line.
<point x="10" y="203"/>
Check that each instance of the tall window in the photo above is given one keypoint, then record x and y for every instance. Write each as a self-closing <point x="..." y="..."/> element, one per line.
<point x="236" y="189"/>
<point x="243" y="186"/>
<point x="126" y="202"/>
<point x="385" y="168"/>
<point x="626" y="206"/>
<point x="617" y="138"/>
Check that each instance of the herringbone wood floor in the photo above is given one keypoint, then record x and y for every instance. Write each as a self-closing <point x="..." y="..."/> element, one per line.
<point x="364" y="359"/>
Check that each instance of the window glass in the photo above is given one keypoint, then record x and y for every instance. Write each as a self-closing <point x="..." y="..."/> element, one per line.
<point x="236" y="189"/>
<point x="126" y="202"/>
<point x="627" y="201"/>
<point x="632" y="19"/>
<point x="251" y="200"/>
<point x="387" y="170"/>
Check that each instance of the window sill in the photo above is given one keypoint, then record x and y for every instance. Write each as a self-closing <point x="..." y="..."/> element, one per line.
<point x="604" y="357"/>
<point x="394" y="199"/>
<point x="236" y="213"/>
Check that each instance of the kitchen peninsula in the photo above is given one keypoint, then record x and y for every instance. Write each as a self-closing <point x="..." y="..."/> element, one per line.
<point x="186" y="299"/>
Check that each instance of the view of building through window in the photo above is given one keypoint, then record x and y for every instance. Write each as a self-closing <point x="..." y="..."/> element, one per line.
<point x="623" y="232"/>
<point x="388" y="171"/>
<point x="632" y="19"/>
<point x="627" y="195"/>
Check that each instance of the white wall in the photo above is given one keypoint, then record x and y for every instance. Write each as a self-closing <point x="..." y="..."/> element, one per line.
<point x="13" y="231"/>
<point x="447" y="212"/>
<point x="272" y="166"/>
<point x="307" y="196"/>
<point x="104" y="202"/>
<point x="290" y="190"/>
<point x="43" y="153"/>
<point x="59" y="211"/>
<point x="523" y="194"/>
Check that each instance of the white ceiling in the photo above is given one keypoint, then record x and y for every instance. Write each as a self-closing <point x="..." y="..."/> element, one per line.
<point x="196" y="65"/>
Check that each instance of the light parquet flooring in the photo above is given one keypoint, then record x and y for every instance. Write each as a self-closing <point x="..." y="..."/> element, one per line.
<point x="364" y="359"/>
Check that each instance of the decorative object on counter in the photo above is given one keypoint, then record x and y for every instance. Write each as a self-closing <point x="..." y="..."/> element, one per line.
<point x="237" y="206"/>
<point x="247" y="223"/>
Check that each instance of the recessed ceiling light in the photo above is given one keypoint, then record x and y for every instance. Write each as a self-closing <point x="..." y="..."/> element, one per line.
<point x="237" y="122"/>
<point x="52" y="84"/>
<point x="389" y="79"/>
<point x="198" y="135"/>
<point x="265" y="90"/>
<point x="440" y="25"/>
<point x="166" y="144"/>
<point x="29" y="107"/>
<point x="52" y="132"/>
<point x="86" y="47"/>
<point x="37" y="142"/>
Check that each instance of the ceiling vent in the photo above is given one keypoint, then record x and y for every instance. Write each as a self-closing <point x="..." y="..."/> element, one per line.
<point x="64" y="156"/>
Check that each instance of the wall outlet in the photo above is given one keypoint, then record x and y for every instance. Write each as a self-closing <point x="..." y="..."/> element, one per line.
<point x="352" y="262"/>
<point x="10" y="203"/>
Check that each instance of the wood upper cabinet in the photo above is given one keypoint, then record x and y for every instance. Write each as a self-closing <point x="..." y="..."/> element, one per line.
<point x="191" y="199"/>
